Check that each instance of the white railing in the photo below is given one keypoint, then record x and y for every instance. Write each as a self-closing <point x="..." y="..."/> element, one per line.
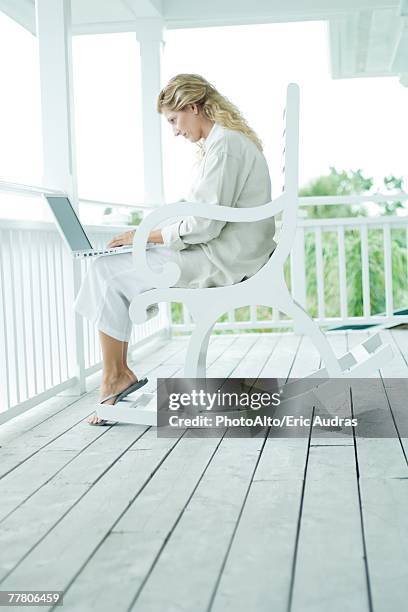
<point x="40" y="354"/>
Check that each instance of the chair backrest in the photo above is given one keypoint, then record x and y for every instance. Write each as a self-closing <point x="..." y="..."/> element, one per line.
<point x="290" y="172"/>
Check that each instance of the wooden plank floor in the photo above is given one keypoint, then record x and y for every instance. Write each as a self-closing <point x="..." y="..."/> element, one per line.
<point x="120" y="519"/>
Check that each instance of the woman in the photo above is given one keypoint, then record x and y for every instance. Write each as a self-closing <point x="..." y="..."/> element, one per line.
<point x="232" y="171"/>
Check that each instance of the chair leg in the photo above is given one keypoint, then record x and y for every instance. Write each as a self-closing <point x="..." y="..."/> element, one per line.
<point x="196" y="358"/>
<point x="308" y="326"/>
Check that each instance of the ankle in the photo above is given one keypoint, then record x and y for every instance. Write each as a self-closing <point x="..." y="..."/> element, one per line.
<point x="112" y="375"/>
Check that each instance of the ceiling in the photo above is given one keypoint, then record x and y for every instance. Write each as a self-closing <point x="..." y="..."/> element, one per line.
<point x="366" y="37"/>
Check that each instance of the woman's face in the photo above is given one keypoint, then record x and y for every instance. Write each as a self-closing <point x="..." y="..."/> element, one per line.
<point x="187" y="122"/>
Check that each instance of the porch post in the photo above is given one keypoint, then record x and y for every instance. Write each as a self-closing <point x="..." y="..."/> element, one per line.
<point x="53" y="26"/>
<point x="149" y="34"/>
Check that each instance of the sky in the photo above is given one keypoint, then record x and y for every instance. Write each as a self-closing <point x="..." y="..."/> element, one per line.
<point x="349" y="124"/>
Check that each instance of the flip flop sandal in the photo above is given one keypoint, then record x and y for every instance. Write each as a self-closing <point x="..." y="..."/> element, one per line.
<point x="121" y="394"/>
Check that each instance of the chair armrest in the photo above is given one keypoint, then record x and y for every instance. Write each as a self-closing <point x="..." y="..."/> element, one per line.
<point x="171" y="271"/>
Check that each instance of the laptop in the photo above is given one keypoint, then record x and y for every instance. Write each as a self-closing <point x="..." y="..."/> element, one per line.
<point x="73" y="233"/>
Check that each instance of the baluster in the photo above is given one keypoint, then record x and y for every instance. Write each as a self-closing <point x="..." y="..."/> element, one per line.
<point x="319" y="273"/>
<point x="389" y="302"/>
<point x="342" y="272"/>
<point x="5" y="326"/>
<point x="365" y="271"/>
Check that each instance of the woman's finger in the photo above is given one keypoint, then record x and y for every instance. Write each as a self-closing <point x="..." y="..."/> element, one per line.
<point x="121" y="239"/>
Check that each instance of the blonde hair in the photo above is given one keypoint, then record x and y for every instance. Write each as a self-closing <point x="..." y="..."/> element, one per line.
<point x="185" y="89"/>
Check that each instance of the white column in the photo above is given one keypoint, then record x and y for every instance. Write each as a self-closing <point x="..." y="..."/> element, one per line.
<point x="54" y="43"/>
<point x="149" y="33"/>
<point x="53" y="23"/>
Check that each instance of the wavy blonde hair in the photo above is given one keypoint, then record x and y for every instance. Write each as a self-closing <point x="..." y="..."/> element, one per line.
<point x="185" y="89"/>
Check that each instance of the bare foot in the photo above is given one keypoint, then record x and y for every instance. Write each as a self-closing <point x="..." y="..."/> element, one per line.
<point x="110" y="386"/>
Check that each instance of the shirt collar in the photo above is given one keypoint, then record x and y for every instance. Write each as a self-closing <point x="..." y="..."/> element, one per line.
<point x="211" y="136"/>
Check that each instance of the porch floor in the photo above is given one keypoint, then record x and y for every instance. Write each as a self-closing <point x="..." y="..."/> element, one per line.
<point x="120" y="519"/>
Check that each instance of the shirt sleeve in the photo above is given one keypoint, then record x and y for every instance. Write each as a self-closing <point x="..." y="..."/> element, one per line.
<point x="218" y="185"/>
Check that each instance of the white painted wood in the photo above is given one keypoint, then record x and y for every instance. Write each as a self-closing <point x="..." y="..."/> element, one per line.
<point x="138" y="409"/>
<point x="53" y="26"/>
<point x="389" y="302"/>
<point x="381" y="457"/>
<point x="141" y="407"/>
<point x="406" y="243"/>
<point x="4" y="335"/>
<point x="18" y="256"/>
<point x="63" y="444"/>
<point x="330" y="542"/>
<point x="352" y="222"/>
<point x="266" y="532"/>
<point x="51" y="429"/>
<point x="397" y="368"/>
<point x="132" y="544"/>
<point x="13" y="429"/>
<point x="297" y="260"/>
<point x="342" y="272"/>
<point x="281" y="360"/>
<point x="181" y="11"/>
<point x="338" y="342"/>
<point x="298" y="271"/>
<point x="42" y="358"/>
<point x="149" y="34"/>
<point x="379" y="412"/>
<point x="32" y="317"/>
<point x="53" y="19"/>
<point x="365" y="271"/>
<point x="253" y="362"/>
<point x="103" y="496"/>
<point x="225" y="482"/>
<point x="42" y="326"/>
<point x="307" y="359"/>
<point x="384" y="502"/>
<point x="352" y="199"/>
<point x="22" y="13"/>
<point x="319" y="273"/>
<point x="257" y="571"/>
<point x="233" y="356"/>
<point x="401" y="338"/>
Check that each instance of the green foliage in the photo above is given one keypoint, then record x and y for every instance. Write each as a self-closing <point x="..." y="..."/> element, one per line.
<point x="344" y="183"/>
<point x="340" y="184"/>
<point x="136" y="218"/>
<point x="391" y="182"/>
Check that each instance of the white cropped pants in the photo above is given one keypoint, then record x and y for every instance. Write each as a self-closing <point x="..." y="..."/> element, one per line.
<point x="109" y="286"/>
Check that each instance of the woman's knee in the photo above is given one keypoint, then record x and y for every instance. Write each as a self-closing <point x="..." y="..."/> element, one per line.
<point x="99" y="267"/>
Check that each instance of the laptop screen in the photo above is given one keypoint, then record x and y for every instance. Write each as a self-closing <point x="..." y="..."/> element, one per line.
<point x="69" y="223"/>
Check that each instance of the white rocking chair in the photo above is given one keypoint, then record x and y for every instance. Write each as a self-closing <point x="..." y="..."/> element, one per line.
<point x="266" y="287"/>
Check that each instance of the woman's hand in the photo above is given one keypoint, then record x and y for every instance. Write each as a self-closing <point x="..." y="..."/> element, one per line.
<point x="122" y="239"/>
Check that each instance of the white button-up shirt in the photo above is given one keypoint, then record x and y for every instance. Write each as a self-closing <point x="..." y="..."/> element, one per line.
<point x="233" y="172"/>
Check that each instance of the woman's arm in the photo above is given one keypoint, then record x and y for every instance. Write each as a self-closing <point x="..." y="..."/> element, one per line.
<point x="127" y="238"/>
<point x="221" y="183"/>
<point x="155" y="236"/>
